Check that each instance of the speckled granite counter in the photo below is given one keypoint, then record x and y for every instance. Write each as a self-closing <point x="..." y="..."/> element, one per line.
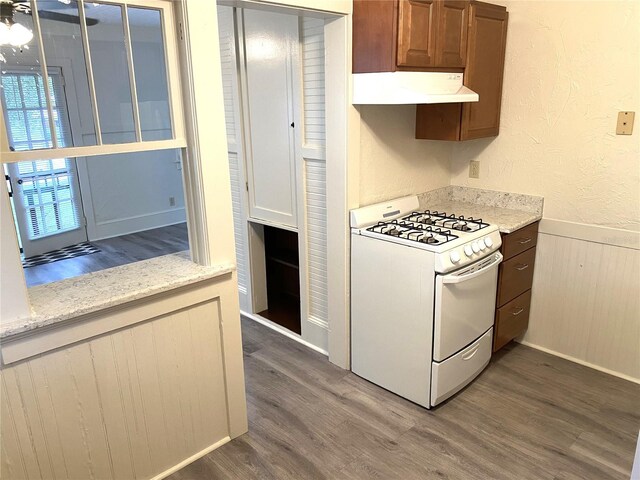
<point x="510" y="211"/>
<point x="59" y="301"/>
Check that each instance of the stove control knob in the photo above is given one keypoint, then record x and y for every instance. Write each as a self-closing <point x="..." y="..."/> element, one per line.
<point x="475" y="247"/>
<point x="481" y="245"/>
<point x="455" y="257"/>
<point x="488" y="242"/>
<point x="468" y="251"/>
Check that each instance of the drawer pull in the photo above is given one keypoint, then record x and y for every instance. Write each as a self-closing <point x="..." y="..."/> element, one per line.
<point x="522" y="266"/>
<point x="525" y="240"/>
<point x="515" y="314"/>
<point x="470" y="355"/>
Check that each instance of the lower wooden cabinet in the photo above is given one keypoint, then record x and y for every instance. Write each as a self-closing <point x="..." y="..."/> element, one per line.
<point x="515" y="278"/>
<point x="511" y="320"/>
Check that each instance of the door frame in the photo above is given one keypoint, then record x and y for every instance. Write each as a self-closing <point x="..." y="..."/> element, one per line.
<point x="343" y="153"/>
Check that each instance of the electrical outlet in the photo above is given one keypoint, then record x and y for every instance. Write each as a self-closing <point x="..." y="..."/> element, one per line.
<point x="625" y="123"/>
<point x="474" y="169"/>
<point x="172" y="201"/>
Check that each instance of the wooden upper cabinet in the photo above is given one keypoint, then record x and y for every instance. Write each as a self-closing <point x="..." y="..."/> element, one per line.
<point x="390" y="35"/>
<point x="375" y="32"/>
<point x="417" y="28"/>
<point x="452" y="34"/>
<point x="484" y="69"/>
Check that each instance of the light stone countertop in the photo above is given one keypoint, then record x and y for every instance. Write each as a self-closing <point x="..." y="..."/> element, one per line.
<point x="509" y="211"/>
<point x="71" y="298"/>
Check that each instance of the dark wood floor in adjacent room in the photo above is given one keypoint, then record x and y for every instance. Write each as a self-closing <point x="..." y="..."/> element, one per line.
<point x="114" y="252"/>
<point x="530" y="415"/>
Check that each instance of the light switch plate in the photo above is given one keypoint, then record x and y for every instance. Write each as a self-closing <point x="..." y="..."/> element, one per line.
<point x="625" y="123"/>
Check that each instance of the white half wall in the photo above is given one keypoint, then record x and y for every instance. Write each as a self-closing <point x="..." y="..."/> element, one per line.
<point x="585" y="303"/>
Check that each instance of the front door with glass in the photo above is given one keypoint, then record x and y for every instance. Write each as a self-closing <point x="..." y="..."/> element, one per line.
<point x="46" y="193"/>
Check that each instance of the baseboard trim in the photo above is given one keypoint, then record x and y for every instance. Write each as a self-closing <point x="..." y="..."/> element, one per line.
<point x="136" y="224"/>
<point x="581" y="362"/>
<point x="191" y="459"/>
<point x="283" y="331"/>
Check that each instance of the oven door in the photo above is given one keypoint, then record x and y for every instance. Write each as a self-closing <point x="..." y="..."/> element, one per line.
<point x="465" y="304"/>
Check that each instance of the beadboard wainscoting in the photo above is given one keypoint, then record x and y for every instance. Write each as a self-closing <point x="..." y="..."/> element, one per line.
<point x="162" y="388"/>
<point x="585" y="304"/>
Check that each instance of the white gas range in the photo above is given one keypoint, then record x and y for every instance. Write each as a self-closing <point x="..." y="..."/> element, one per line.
<point x="423" y="289"/>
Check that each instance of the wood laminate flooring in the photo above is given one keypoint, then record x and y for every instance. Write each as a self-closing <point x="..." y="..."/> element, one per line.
<point x="114" y="252"/>
<point x="529" y="415"/>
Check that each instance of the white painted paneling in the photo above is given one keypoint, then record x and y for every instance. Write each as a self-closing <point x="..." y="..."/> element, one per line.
<point x="316" y="201"/>
<point x="585" y="303"/>
<point x="271" y="44"/>
<point x="130" y="404"/>
<point x="313" y="57"/>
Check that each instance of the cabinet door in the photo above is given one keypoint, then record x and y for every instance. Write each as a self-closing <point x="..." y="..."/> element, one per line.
<point x="417" y="33"/>
<point x="451" y="43"/>
<point x="484" y="70"/>
<point x="271" y="45"/>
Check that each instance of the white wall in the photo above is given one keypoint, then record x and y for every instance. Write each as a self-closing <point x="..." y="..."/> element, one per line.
<point x="392" y="162"/>
<point x="567" y="74"/>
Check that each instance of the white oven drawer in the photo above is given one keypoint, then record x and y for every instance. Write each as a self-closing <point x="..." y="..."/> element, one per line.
<point x="455" y="373"/>
<point x="465" y="305"/>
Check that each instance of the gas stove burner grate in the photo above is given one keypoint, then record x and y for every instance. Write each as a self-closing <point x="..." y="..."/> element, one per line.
<point x="417" y="232"/>
<point x="442" y="219"/>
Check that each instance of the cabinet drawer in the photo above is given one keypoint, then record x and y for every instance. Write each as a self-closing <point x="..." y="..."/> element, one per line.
<point x="516" y="276"/>
<point x="520" y="240"/>
<point x="512" y="320"/>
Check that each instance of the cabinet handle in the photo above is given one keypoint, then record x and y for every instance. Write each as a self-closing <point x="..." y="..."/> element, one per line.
<point x="525" y="240"/>
<point x="515" y="314"/>
<point x="521" y="266"/>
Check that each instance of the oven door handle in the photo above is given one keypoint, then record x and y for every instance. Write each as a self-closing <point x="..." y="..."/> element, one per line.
<point x="477" y="273"/>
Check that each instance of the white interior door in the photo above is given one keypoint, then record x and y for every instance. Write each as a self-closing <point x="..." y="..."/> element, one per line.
<point x="46" y="194"/>
<point x="271" y="47"/>
<point x="47" y="205"/>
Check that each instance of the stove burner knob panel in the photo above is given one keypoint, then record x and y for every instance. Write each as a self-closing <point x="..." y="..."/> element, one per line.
<point x="455" y="257"/>
<point x="468" y="251"/>
<point x="475" y="247"/>
<point x="488" y="242"/>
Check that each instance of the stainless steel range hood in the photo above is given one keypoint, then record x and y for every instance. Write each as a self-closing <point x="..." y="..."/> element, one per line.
<point x="400" y="88"/>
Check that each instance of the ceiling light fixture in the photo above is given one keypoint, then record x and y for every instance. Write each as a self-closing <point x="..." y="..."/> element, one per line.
<point x="12" y="33"/>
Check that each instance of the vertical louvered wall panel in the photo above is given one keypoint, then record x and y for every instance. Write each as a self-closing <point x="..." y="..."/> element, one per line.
<point x="315" y="169"/>
<point x="238" y="222"/>
<point x="313" y="81"/>
<point x="227" y="59"/>
<point x="316" y="193"/>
